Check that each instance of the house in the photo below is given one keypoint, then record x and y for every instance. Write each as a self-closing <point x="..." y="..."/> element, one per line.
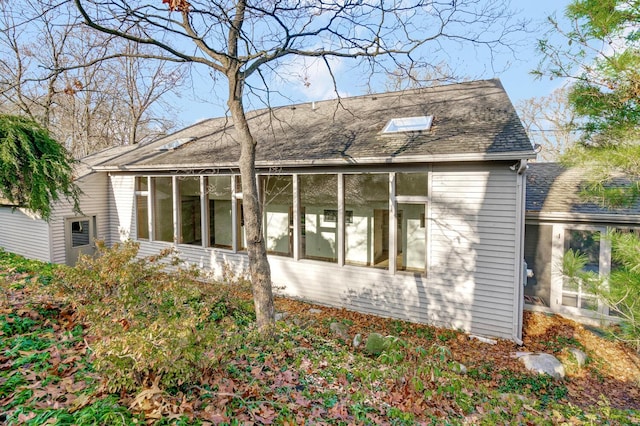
<point x="407" y="205"/>
<point x="559" y="219"/>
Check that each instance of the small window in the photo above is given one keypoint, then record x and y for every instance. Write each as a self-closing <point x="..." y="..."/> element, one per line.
<point x="409" y="124"/>
<point x="80" y="233"/>
<point x="174" y="144"/>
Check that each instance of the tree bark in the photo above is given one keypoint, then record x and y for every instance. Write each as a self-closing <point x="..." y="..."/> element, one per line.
<point x="258" y="263"/>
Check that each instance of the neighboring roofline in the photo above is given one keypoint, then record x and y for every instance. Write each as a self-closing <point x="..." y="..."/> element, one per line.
<point x="625" y="218"/>
<point x="502" y="156"/>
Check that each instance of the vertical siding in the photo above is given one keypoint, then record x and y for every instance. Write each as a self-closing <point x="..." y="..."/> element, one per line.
<point x="93" y="202"/>
<point x="469" y="283"/>
<point x="24" y="234"/>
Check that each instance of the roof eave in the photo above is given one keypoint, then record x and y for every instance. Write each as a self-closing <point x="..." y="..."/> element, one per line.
<point x="438" y="158"/>
<point x="630" y="219"/>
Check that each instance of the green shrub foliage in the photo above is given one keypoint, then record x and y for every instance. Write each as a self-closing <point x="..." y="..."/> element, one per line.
<point x="623" y="290"/>
<point x="34" y="169"/>
<point x="620" y="290"/>
<point x="375" y="344"/>
<point x="151" y="326"/>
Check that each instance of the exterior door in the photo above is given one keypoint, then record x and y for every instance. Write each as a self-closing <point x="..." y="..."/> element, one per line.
<point x="80" y="238"/>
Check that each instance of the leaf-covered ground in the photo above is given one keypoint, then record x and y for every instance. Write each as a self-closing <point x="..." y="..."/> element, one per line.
<point x="305" y="374"/>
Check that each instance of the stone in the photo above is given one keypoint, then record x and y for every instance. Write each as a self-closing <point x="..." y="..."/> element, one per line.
<point x="357" y="339"/>
<point x="511" y="397"/>
<point x="339" y="329"/>
<point x="460" y="368"/>
<point x="580" y="356"/>
<point x="544" y="364"/>
<point x="315" y="311"/>
<point x="279" y="316"/>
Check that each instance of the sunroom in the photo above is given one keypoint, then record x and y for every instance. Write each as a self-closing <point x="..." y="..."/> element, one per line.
<point x="343" y="218"/>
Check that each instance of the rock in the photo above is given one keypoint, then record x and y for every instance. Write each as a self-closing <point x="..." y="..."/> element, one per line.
<point x="376" y="343"/>
<point x="339" y="329"/>
<point x="543" y="364"/>
<point x="279" y="316"/>
<point x="459" y="368"/>
<point x="580" y="356"/>
<point x="357" y="339"/>
<point x="511" y="397"/>
<point x="314" y="311"/>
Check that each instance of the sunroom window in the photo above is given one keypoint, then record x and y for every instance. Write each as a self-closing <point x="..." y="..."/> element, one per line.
<point x="142" y="208"/>
<point x="367" y="220"/>
<point x="163" y="209"/>
<point x="411" y="237"/>
<point x="319" y="217"/>
<point x="411" y="233"/>
<point x="277" y="202"/>
<point x="220" y="212"/>
<point x="190" y="210"/>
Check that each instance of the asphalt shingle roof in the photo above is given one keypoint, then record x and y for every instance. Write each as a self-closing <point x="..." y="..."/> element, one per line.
<point x="474" y="119"/>
<point x="552" y="188"/>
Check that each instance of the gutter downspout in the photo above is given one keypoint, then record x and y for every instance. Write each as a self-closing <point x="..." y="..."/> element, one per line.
<point x="520" y="269"/>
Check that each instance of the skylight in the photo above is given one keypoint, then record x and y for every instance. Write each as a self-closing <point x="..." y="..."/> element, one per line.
<point x="173" y="144"/>
<point x="409" y="124"/>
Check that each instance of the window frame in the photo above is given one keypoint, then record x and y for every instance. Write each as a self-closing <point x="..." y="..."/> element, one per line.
<point x="341" y="214"/>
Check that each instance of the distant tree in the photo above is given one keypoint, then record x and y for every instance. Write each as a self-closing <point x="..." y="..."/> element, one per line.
<point x="601" y="56"/>
<point x="53" y="70"/>
<point x="35" y="170"/>
<point x="244" y="43"/>
<point x="550" y="122"/>
<point x="410" y="77"/>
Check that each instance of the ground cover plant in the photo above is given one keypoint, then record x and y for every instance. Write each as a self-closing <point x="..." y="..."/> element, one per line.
<point x="117" y="340"/>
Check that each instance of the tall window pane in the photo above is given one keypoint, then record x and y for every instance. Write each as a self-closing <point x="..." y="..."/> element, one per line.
<point x="190" y="210"/>
<point x="414" y="184"/>
<point x="277" y="201"/>
<point x="367" y="220"/>
<point x="411" y="238"/>
<point x="586" y="243"/>
<point x="142" y="208"/>
<point x="163" y="209"/>
<point x="319" y="217"/>
<point x="241" y="235"/>
<point x="220" y="223"/>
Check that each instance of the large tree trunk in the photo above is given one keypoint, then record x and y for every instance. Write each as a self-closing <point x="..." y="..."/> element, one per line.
<point x="258" y="263"/>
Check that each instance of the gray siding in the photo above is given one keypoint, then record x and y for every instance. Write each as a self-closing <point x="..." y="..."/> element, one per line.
<point x="24" y="234"/>
<point x="474" y="245"/>
<point x="471" y="274"/>
<point x="121" y="200"/>
<point x="93" y="202"/>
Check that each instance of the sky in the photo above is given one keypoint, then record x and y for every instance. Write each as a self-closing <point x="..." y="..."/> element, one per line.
<point x="202" y="102"/>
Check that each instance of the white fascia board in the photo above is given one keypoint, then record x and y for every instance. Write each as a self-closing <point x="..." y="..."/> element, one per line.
<point x="584" y="217"/>
<point x="515" y="156"/>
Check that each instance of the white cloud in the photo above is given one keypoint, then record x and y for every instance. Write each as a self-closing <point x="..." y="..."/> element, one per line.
<point x="309" y="79"/>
